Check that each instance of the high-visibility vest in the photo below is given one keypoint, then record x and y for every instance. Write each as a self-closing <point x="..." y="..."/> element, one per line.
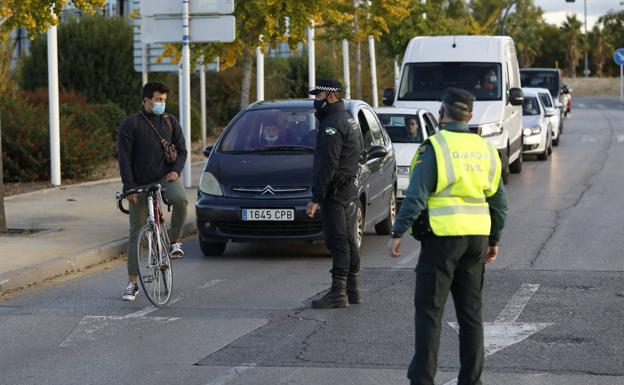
<point x="469" y="171"/>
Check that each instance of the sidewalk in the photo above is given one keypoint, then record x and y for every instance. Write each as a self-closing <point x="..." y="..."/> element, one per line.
<point x="83" y="228"/>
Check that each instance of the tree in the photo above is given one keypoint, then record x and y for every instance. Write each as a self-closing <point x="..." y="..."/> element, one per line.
<point x="526" y="26"/>
<point x="600" y="50"/>
<point x="613" y="31"/>
<point x="571" y="32"/>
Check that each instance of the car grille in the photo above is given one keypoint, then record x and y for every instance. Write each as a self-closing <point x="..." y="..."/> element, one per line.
<point x="270" y="190"/>
<point x="278" y="229"/>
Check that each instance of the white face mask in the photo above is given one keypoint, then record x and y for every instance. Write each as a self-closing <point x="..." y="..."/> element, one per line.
<point x="271" y="138"/>
<point x="492" y="79"/>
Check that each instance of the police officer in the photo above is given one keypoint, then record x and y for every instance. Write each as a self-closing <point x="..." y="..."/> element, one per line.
<point x="336" y="161"/>
<point x="456" y="206"/>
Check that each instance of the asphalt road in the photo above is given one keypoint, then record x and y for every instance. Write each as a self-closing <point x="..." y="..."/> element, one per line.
<point x="550" y="299"/>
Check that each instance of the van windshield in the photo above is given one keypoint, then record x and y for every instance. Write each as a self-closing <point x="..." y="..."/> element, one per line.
<point x="426" y="81"/>
<point x="271" y="131"/>
<point x="541" y="79"/>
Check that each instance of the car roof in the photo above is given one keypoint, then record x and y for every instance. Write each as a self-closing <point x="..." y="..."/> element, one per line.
<point x="535" y="90"/>
<point x="398" y="110"/>
<point x="541" y="69"/>
<point x="297" y="103"/>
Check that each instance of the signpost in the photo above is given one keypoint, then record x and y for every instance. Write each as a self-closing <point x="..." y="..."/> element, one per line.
<point x="618" y="56"/>
<point x="183" y="21"/>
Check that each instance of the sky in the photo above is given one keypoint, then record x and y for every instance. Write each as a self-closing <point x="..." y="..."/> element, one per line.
<point x="555" y="11"/>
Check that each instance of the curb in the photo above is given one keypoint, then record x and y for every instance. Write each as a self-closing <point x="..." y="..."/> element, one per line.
<point x="46" y="270"/>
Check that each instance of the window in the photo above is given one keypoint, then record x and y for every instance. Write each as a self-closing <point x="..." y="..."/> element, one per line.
<point x="367" y="135"/>
<point x="430" y="124"/>
<point x="541" y="79"/>
<point x="402" y="128"/>
<point x="546" y="99"/>
<point x="373" y="123"/>
<point x="530" y="106"/>
<point x="426" y="81"/>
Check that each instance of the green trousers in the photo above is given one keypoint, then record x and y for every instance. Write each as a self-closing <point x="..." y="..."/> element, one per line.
<point x="174" y="192"/>
<point x="454" y="264"/>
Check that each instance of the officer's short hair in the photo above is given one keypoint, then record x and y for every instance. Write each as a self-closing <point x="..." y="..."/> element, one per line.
<point x="151" y="87"/>
<point x="457" y="103"/>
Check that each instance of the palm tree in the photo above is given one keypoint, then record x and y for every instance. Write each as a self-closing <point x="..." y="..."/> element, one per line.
<point x="575" y="41"/>
<point x="600" y="50"/>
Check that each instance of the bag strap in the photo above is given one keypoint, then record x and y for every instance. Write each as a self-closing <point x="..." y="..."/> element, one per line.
<point x="153" y="128"/>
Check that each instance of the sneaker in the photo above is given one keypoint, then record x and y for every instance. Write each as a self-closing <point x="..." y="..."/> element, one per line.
<point x="176" y="251"/>
<point x="131" y="291"/>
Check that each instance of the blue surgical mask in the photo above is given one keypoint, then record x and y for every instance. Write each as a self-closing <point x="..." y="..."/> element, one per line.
<point x="158" y="108"/>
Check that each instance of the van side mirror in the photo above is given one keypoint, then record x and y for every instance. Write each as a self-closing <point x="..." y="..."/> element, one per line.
<point x="516" y="97"/>
<point x="376" y="151"/>
<point x="207" y="151"/>
<point x="388" y="96"/>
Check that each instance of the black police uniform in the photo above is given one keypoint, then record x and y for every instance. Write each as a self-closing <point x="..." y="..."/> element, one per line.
<point x="336" y="162"/>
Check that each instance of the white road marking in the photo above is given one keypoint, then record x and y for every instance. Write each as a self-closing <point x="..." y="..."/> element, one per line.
<point x="620" y="138"/>
<point x="589" y="138"/>
<point x="581" y="105"/>
<point x="230" y="374"/>
<point x="91" y="328"/>
<point x="505" y="331"/>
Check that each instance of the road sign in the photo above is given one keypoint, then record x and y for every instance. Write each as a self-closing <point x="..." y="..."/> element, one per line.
<point x="169" y="7"/>
<point x="203" y="29"/>
<point x="618" y="56"/>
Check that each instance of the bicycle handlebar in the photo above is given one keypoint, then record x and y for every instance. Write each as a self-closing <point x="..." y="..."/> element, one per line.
<point x="121" y="196"/>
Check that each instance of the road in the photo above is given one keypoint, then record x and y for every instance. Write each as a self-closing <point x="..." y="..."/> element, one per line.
<point x="550" y="299"/>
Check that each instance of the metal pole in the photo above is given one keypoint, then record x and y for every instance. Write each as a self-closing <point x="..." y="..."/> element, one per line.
<point x="202" y="100"/>
<point x="145" y="63"/>
<point x="53" y="91"/>
<point x="345" y="68"/>
<point x="259" y="74"/>
<point x="311" y="59"/>
<point x="586" y="71"/>
<point x="373" y="68"/>
<point x="397" y="73"/>
<point x="186" y="73"/>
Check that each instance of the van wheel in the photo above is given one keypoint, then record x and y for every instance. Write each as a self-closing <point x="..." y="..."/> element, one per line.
<point x="385" y="227"/>
<point x="505" y="167"/>
<point x="516" y="166"/>
<point x="212" y="249"/>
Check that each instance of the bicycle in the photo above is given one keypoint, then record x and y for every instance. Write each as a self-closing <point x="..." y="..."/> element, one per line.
<point x="153" y="255"/>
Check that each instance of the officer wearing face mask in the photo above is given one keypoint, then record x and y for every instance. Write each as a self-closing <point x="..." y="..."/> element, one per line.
<point x="336" y="162"/>
<point x="142" y="163"/>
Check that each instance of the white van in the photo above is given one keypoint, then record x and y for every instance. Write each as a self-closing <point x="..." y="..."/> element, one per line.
<point x="486" y="66"/>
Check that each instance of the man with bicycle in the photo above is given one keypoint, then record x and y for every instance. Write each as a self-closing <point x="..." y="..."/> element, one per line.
<point x="151" y="150"/>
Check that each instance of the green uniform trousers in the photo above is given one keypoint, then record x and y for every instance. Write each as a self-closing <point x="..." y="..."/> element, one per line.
<point x="174" y="192"/>
<point x="454" y="264"/>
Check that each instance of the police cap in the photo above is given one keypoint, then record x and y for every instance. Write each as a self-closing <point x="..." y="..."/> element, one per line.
<point x="327" y="85"/>
<point x="458" y="98"/>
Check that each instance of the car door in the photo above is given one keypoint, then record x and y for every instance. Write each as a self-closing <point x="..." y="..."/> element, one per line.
<point x="430" y="125"/>
<point x="374" y="181"/>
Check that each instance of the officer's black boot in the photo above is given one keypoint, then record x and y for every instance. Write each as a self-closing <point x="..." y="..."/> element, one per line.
<point x="337" y="296"/>
<point x="353" y="288"/>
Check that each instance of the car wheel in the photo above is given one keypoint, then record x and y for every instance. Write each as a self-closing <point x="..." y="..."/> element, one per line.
<point x="505" y="167"/>
<point x="385" y="227"/>
<point x="516" y="166"/>
<point x="555" y="142"/>
<point x="550" y="146"/>
<point x="359" y="224"/>
<point x="543" y="155"/>
<point x="210" y="249"/>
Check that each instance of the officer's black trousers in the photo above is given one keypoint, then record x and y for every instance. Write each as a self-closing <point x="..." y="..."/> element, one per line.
<point x="454" y="264"/>
<point x="338" y="226"/>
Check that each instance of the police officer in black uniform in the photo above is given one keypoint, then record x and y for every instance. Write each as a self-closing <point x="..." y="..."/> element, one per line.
<point x="336" y="161"/>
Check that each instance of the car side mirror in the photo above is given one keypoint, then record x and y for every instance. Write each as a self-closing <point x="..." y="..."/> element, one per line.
<point x="550" y="112"/>
<point x="388" y="97"/>
<point x="558" y="105"/>
<point x="376" y="152"/>
<point x="207" y="151"/>
<point x="516" y="97"/>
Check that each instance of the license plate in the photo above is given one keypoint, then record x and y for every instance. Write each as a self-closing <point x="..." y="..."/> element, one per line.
<point x="268" y="214"/>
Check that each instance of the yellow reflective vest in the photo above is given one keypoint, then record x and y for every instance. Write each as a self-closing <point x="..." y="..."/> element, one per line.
<point x="469" y="171"/>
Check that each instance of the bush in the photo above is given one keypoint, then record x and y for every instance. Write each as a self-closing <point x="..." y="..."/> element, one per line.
<point x="96" y="60"/>
<point x="85" y="138"/>
<point x="112" y="116"/>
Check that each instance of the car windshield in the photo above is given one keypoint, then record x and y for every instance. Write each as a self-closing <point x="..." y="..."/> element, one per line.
<point x="541" y="79"/>
<point x="402" y="128"/>
<point x="272" y="131"/>
<point x="530" y="106"/>
<point x="426" y="81"/>
<point x="545" y="99"/>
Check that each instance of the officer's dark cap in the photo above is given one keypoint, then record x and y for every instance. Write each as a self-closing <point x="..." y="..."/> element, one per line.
<point x="458" y="98"/>
<point x="327" y="85"/>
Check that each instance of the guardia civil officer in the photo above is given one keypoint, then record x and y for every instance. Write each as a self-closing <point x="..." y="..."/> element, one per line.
<point x="336" y="161"/>
<point x="456" y="206"/>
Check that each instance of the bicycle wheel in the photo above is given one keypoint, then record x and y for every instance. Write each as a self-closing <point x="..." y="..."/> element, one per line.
<point x="154" y="267"/>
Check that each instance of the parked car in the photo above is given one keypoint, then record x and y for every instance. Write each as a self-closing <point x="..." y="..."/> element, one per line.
<point x="487" y="66"/>
<point x="555" y="119"/>
<point x="255" y="190"/>
<point x="537" y="127"/>
<point x="408" y="128"/>
<point x="549" y="78"/>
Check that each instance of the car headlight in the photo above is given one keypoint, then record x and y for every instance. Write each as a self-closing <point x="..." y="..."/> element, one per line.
<point x="532" y="131"/>
<point x="208" y="184"/>
<point x="491" y="129"/>
<point x="403" y="170"/>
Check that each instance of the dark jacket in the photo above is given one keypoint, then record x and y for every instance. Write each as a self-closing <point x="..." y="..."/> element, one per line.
<point x="423" y="183"/>
<point x="140" y="153"/>
<point x="338" y="151"/>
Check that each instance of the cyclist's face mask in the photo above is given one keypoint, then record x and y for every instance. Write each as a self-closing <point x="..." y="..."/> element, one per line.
<point x="158" y="107"/>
